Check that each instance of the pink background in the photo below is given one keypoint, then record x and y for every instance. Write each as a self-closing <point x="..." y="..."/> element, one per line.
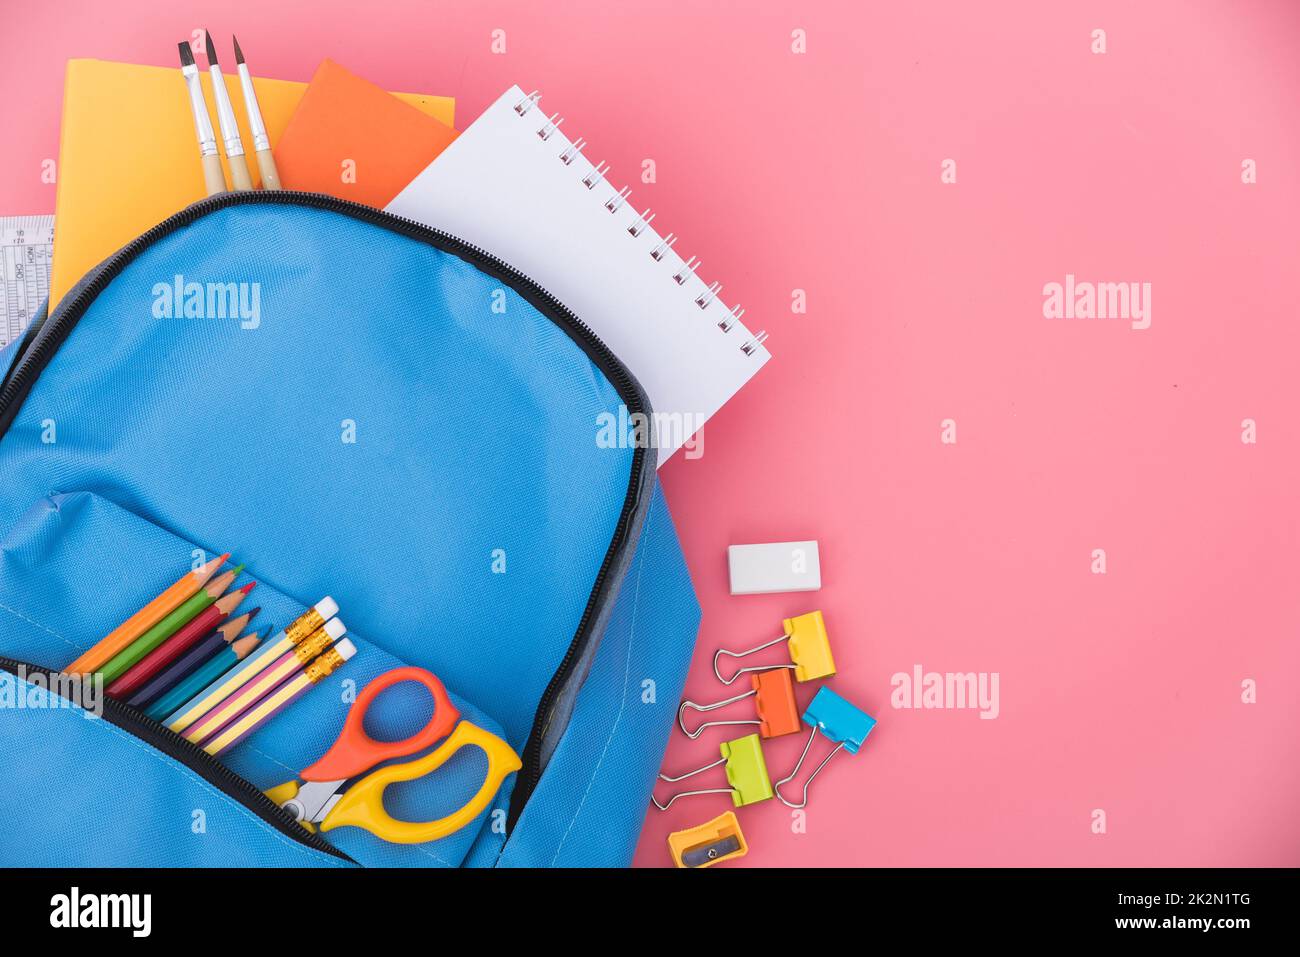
<point x="822" y="172"/>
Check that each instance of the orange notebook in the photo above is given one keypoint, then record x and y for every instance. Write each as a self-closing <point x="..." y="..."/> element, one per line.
<point x="128" y="158"/>
<point x="351" y="139"/>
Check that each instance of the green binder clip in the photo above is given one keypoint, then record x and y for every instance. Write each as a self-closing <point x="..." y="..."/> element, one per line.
<point x="746" y="771"/>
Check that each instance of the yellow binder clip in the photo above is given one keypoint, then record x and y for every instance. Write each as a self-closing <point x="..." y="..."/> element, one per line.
<point x="810" y="650"/>
<point x="710" y="843"/>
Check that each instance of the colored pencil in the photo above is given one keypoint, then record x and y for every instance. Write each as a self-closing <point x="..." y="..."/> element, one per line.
<point x="140" y="673"/>
<point x="208" y="672"/>
<point x="248" y="722"/>
<point x="198" y="653"/>
<point x="282" y="669"/>
<point x="155" y="636"/>
<point x="302" y="627"/>
<point x="144" y="619"/>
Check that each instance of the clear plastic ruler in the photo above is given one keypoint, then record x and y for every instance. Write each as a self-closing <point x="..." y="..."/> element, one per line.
<point x="26" y="243"/>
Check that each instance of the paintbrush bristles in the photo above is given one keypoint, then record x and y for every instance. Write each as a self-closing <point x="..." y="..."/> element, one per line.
<point x="187" y="55"/>
<point x="239" y="54"/>
<point x="211" y="48"/>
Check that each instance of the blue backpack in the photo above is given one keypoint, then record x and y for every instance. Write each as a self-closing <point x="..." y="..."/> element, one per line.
<point x="359" y="406"/>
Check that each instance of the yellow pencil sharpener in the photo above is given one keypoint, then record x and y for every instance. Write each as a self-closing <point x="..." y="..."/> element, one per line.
<point x="710" y="843"/>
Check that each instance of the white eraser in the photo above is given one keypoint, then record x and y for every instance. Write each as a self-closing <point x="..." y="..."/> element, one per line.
<point x="335" y="629"/>
<point x="346" y="649"/>
<point x="774" y="567"/>
<point x="327" y="607"/>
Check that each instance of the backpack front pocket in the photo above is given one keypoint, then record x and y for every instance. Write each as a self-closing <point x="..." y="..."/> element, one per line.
<point x="122" y="787"/>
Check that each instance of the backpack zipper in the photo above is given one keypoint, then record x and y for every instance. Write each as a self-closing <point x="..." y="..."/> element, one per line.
<point x="180" y="749"/>
<point x="33" y="357"/>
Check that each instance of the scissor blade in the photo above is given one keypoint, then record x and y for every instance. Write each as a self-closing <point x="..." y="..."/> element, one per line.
<point x="312" y="797"/>
<point x="326" y="808"/>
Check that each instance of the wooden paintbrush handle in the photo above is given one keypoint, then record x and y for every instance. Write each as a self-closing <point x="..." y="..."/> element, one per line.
<point x="239" y="177"/>
<point x="270" y="175"/>
<point x="213" y="178"/>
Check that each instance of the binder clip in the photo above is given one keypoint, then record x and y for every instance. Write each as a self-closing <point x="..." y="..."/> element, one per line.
<point x="773" y="694"/>
<point x="746" y="774"/>
<point x="710" y="843"/>
<point x="844" y="723"/>
<point x="810" y="650"/>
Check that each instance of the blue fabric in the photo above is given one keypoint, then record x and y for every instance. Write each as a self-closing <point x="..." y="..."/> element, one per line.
<point x="8" y="353"/>
<point x="58" y="810"/>
<point x="475" y="420"/>
<point x="590" y="805"/>
<point x="69" y="550"/>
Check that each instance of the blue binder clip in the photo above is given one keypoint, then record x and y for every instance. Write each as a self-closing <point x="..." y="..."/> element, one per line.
<point x="844" y="723"/>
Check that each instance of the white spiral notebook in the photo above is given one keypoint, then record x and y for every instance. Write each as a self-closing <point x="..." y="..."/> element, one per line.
<point x="516" y="186"/>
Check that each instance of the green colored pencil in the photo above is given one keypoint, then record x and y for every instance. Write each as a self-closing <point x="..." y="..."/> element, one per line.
<point x="160" y="632"/>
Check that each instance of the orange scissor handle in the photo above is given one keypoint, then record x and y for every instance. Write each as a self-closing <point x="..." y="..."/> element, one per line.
<point x="355" y="750"/>
<point x="362" y="804"/>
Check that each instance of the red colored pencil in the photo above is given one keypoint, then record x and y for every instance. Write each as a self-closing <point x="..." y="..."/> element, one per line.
<point x="192" y="660"/>
<point x="175" y="646"/>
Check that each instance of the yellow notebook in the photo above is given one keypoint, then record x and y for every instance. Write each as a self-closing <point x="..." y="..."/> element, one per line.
<point x="128" y="158"/>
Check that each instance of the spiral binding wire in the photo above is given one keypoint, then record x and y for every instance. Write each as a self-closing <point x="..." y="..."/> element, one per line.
<point x="642" y="221"/>
<point x="572" y="153"/>
<point x="614" y="203"/>
<point x="687" y="270"/>
<point x="658" y="253"/>
<point x="596" y="175"/>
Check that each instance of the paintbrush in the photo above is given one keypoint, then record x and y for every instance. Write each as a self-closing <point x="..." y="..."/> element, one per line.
<point x="226" y="118"/>
<point x="261" y="142"/>
<point x="214" y="179"/>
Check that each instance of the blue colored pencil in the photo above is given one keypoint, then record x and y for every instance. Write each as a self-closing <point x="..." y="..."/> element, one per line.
<point x="178" y="669"/>
<point x="206" y="674"/>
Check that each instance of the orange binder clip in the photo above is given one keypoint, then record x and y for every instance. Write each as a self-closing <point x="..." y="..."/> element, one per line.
<point x="774" y="703"/>
<point x="710" y="843"/>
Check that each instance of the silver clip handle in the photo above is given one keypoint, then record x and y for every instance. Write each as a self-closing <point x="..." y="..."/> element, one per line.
<point x="681" y="714"/>
<point x="803" y="800"/>
<point x="741" y="654"/>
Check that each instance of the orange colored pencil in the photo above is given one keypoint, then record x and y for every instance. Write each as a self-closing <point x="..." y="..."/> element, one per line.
<point x="143" y="670"/>
<point x="144" y="619"/>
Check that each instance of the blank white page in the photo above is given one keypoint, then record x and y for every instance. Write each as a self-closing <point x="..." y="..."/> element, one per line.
<point x="504" y="186"/>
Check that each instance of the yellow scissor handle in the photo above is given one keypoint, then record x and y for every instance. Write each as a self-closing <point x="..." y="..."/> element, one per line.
<point x="362" y="804"/>
<point x="283" y="792"/>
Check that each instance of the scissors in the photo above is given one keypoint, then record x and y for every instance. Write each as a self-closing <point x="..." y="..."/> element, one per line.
<point x="332" y="793"/>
